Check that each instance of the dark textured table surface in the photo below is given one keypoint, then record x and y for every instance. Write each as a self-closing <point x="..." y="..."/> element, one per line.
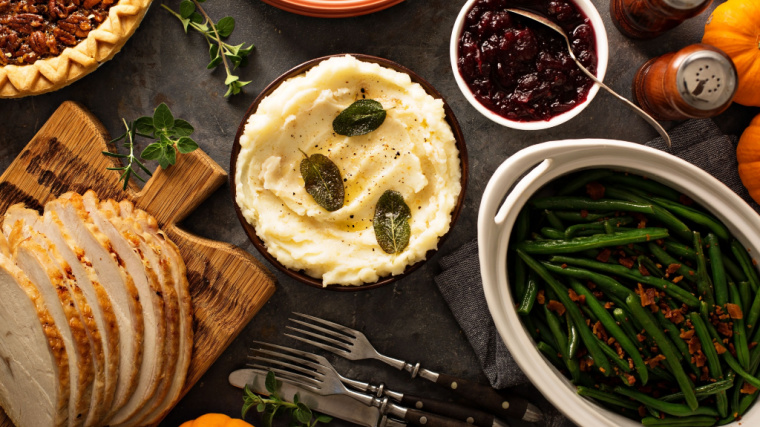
<point x="407" y="319"/>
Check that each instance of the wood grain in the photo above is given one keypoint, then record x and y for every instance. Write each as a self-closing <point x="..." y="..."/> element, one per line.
<point x="228" y="286"/>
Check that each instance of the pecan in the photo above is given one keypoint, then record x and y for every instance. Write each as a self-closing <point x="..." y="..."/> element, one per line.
<point x="89" y="4"/>
<point x="38" y="42"/>
<point x="24" y="23"/>
<point x="64" y="37"/>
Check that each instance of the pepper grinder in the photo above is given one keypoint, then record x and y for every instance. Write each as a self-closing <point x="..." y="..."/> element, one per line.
<point x="698" y="81"/>
<point x="646" y="19"/>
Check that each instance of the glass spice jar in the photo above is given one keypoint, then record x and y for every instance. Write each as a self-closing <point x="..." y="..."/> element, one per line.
<point x="646" y="19"/>
<point x="698" y="81"/>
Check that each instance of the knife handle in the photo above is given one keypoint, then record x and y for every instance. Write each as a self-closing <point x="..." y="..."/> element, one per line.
<point x="452" y="410"/>
<point x="426" y="419"/>
<point x="486" y="397"/>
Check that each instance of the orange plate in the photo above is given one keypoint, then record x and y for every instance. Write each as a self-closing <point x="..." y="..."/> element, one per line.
<point x="332" y="8"/>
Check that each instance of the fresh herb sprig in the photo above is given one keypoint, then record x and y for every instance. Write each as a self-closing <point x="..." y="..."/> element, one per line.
<point x="192" y="15"/>
<point x="170" y="135"/>
<point x="302" y="415"/>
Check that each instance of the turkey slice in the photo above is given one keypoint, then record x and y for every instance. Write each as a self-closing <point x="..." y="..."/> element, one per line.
<point x="34" y="366"/>
<point x="34" y="261"/>
<point x="127" y="246"/>
<point x="148" y="225"/>
<point x="92" y="301"/>
<point x="96" y="252"/>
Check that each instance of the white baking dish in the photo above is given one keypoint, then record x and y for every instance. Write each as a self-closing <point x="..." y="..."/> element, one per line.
<point x="508" y="191"/>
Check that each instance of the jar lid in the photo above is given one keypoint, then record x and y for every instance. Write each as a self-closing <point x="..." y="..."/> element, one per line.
<point x="706" y="80"/>
<point x="332" y="8"/>
<point x="685" y="4"/>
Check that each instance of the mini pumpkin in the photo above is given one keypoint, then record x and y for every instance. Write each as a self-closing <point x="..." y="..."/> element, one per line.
<point x="215" y="420"/>
<point x="734" y="27"/>
<point x="748" y="156"/>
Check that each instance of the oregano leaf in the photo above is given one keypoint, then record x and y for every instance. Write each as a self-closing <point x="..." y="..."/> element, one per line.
<point x="144" y="126"/>
<point x="186" y="8"/>
<point x="323" y="418"/>
<point x="213" y="51"/>
<point x="197" y="18"/>
<point x="302" y="413"/>
<point x="214" y="63"/>
<point x="182" y="128"/>
<point x="186" y="145"/>
<point x="271" y="382"/>
<point x="162" y="118"/>
<point x="391" y="222"/>
<point x="323" y="181"/>
<point x="225" y="26"/>
<point x="360" y="118"/>
<point x="152" y="151"/>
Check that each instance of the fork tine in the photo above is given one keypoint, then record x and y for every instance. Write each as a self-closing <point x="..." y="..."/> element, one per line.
<point x="309" y="363"/>
<point x="339" y="352"/>
<point x="342" y="344"/>
<point x="287" y="365"/>
<point x="293" y="377"/>
<point x="344" y="329"/>
<point x="312" y="356"/>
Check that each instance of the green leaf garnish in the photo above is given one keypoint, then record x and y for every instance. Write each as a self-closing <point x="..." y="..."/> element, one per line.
<point x="323" y="181"/>
<point x="391" y="222"/>
<point x="301" y="415"/>
<point x="360" y="118"/>
<point x="163" y="120"/>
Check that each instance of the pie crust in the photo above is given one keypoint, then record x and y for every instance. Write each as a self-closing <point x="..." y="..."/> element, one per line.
<point x="73" y="63"/>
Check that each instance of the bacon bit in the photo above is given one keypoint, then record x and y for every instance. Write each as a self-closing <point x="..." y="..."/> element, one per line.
<point x="672" y="268"/>
<point x="608" y="305"/>
<point x="692" y="376"/>
<point x="677" y="279"/>
<point x="705" y="374"/>
<point x="599" y="331"/>
<point x="630" y="378"/>
<point x="647" y="296"/>
<point x="630" y="363"/>
<point x="686" y="335"/>
<point x="573" y="295"/>
<point x="655" y="361"/>
<point x="642" y="223"/>
<point x="691" y="273"/>
<point x="695" y="346"/>
<point x="752" y="345"/>
<point x="591" y="285"/>
<point x="685" y="200"/>
<point x="723" y="316"/>
<point x="674" y="316"/>
<point x="731" y="349"/>
<point x="556" y="307"/>
<point x="748" y="388"/>
<point x="588" y="322"/>
<point x="719" y="348"/>
<point x="598" y="294"/>
<point x="583" y="365"/>
<point x="640" y="337"/>
<point x="700" y="359"/>
<point x="649" y="238"/>
<point x="564" y="265"/>
<point x="754" y="261"/>
<point x="724" y="329"/>
<point x="604" y="255"/>
<point x="584" y="213"/>
<point x="627" y="262"/>
<point x="595" y="190"/>
<point x="610" y="341"/>
<point x="643" y="270"/>
<point x="540" y="297"/>
<point x="642" y="411"/>
<point x="734" y="311"/>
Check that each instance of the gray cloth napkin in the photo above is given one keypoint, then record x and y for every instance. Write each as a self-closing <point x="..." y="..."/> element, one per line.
<point x="699" y="142"/>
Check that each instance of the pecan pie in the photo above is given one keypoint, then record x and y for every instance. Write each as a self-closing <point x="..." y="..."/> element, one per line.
<point x="48" y="44"/>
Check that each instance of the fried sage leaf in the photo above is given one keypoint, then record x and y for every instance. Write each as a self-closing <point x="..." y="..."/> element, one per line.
<point x="391" y="222"/>
<point x="323" y="181"/>
<point x="360" y="118"/>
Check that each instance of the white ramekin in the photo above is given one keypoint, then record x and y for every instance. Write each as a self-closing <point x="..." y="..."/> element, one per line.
<point x="508" y="191"/>
<point x="602" y="53"/>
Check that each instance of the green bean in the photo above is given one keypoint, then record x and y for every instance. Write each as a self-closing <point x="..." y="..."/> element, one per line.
<point x="520" y="279"/>
<point x="571" y="231"/>
<point x="680" y="250"/>
<point x="590" y="314"/>
<point x="554" y="221"/>
<point x="580" y="180"/>
<point x="649" y="266"/>
<point x="550" y="354"/>
<point x="745" y="290"/>
<point x="740" y="333"/>
<point x="521" y="230"/>
<point x="726" y="355"/>
<point x="746" y="401"/>
<point x="621" y="317"/>
<point x="561" y="202"/>
<point x="675" y="336"/>
<point x="753" y="312"/>
<point x="665" y="258"/>
<point x="573" y="340"/>
<point x="661" y="214"/>
<point x="530" y="294"/>
<point x="734" y="271"/>
<point x="545" y="333"/>
<point x="552" y="320"/>
<point x="704" y="284"/>
<point x="614" y="357"/>
<point x="607" y="398"/>
<point x="702" y="391"/>
<point x="713" y="361"/>
<point x="649" y="186"/>
<point x="718" y="271"/>
<point x="747" y="264"/>
<point x="552" y="233"/>
<point x="613" y="329"/>
<point x="578" y="216"/>
<point x="694" y="421"/>
<point x="677" y="409"/>
<point x="607" y="283"/>
<point x="573" y="312"/>
<point x="592" y="242"/>
<point x="669" y="288"/>
<point x="530" y="326"/>
<point x="695" y="216"/>
<point x="666" y="348"/>
<point x="608" y="228"/>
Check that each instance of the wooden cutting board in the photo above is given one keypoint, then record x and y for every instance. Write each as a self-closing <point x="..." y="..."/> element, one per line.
<point x="228" y="286"/>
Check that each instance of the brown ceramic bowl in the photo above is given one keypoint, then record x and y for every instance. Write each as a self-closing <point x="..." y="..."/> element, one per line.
<point x="251" y="231"/>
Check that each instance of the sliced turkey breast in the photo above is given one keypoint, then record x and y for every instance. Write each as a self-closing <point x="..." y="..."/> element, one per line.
<point x="160" y="263"/>
<point x="34" y="261"/>
<point x="95" y="251"/>
<point x="127" y="246"/>
<point x="148" y="225"/>
<point x="91" y="301"/>
<point x="34" y="366"/>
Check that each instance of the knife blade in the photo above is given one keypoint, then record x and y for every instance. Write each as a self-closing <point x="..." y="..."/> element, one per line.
<point x="338" y="406"/>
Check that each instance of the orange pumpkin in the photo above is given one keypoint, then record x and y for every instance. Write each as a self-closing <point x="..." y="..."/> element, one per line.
<point x="216" y="420"/>
<point x="734" y="27"/>
<point x="748" y="156"/>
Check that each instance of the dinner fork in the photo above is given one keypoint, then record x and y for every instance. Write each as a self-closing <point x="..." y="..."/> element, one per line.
<point x="319" y="379"/>
<point x="354" y="345"/>
<point x="452" y="410"/>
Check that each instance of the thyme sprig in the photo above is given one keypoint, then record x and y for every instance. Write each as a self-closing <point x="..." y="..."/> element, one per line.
<point x="192" y="15"/>
<point x="269" y="406"/>
<point x="128" y="170"/>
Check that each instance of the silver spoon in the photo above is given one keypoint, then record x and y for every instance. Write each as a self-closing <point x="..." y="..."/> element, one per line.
<point x="540" y="19"/>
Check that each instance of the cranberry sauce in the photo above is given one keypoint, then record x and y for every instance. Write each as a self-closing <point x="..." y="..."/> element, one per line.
<point x="520" y="69"/>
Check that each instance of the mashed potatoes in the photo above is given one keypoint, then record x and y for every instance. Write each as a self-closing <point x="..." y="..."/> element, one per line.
<point x="412" y="152"/>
